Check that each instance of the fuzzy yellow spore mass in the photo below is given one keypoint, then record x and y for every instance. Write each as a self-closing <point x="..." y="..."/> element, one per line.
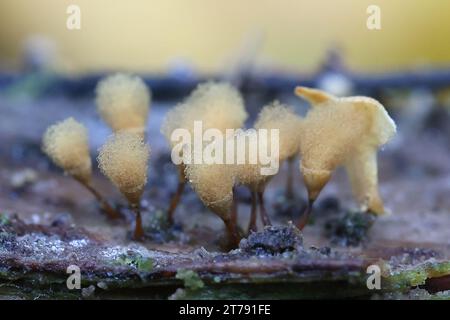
<point x="344" y="132"/>
<point x="123" y="101"/>
<point x="283" y="118"/>
<point x="216" y="105"/>
<point x="66" y="143"/>
<point x="214" y="186"/>
<point x="124" y="160"/>
<point x="214" y="183"/>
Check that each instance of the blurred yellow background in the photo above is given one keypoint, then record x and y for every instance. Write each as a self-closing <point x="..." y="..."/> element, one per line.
<point x="149" y="35"/>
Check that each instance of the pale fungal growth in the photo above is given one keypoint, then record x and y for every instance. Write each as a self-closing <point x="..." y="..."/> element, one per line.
<point x="343" y="132"/>
<point x="283" y="118"/>
<point x="274" y="116"/>
<point x="216" y="105"/>
<point x="123" y="101"/>
<point x="214" y="183"/>
<point x="249" y="174"/>
<point x="66" y="144"/>
<point x="124" y="160"/>
<point x="218" y="197"/>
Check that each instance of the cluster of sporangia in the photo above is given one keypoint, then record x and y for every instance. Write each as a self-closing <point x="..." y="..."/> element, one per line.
<point x="335" y="132"/>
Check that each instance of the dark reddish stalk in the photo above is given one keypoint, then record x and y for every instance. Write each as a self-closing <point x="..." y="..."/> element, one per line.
<point x="262" y="210"/>
<point x="106" y="207"/>
<point x="252" y="222"/>
<point x="289" y="193"/>
<point x="138" y="229"/>
<point x="234" y="209"/>
<point x="232" y="233"/>
<point x="175" y="200"/>
<point x="305" y="216"/>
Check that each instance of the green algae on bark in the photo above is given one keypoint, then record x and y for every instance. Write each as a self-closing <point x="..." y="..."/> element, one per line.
<point x="35" y="258"/>
<point x="413" y="276"/>
<point x="191" y="279"/>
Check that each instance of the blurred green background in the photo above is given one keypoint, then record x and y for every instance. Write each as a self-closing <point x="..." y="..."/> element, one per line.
<point x="153" y="35"/>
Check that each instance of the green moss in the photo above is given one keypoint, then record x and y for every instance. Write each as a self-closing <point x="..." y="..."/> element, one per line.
<point x="408" y="279"/>
<point x="142" y="264"/>
<point x="413" y="277"/>
<point x="440" y="269"/>
<point x="190" y="279"/>
<point x="4" y="220"/>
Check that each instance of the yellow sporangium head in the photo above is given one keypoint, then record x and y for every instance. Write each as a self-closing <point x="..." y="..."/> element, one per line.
<point x="216" y="105"/>
<point x="66" y="143"/>
<point x="123" y="101"/>
<point x="219" y="105"/>
<point x="214" y="186"/>
<point x="124" y="160"/>
<point x="282" y="117"/>
<point x="344" y="132"/>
